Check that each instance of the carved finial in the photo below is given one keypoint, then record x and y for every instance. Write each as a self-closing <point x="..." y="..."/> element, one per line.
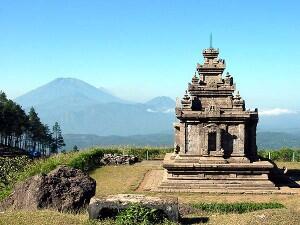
<point x="210" y="41"/>
<point x="186" y="101"/>
<point x="238" y="101"/>
<point x="195" y="79"/>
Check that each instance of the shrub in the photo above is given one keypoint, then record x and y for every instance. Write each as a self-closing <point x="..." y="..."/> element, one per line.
<point x="153" y="153"/>
<point x="22" y="168"/>
<point x="89" y="160"/>
<point x="283" y="154"/>
<point x="137" y="214"/>
<point x="9" y="167"/>
<point x="241" y="207"/>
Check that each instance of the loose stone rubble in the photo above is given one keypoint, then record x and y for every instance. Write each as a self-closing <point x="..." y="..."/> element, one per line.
<point x="100" y="208"/>
<point x="113" y="159"/>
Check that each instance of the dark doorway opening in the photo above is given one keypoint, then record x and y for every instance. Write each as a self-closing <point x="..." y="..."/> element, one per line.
<point x="212" y="138"/>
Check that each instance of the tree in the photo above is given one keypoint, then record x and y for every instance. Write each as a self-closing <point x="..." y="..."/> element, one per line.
<point x="58" y="140"/>
<point x="35" y="128"/>
<point x="21" y="131"/>
<point x="63" y="151"/>
<point x="75" y="148"/>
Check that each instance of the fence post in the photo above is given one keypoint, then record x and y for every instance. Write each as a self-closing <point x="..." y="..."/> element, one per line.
<point x="269" y="155"/>
<point x="293" y="157"/>
<point x="147" y="156"/>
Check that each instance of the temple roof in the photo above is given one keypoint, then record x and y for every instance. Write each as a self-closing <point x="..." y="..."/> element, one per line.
<point x="209" y="90"/>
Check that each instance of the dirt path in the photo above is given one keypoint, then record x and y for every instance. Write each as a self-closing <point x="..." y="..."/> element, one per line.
<point x="151" y="180"/>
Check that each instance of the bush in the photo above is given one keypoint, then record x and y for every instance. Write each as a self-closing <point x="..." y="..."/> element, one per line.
<point x="283" y="154"/>
<point x="24" y="168"/>
<point x="137" y="214"/>
<point x="236" y="207"/>
<point x="9" y="167"/>
<point x="89" y="160"/>
<point x="153" y="153"/>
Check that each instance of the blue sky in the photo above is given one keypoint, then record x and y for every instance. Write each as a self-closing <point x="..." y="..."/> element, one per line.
<point x="141" y="49"/>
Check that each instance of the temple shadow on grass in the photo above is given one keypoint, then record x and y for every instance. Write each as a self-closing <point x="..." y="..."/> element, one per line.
<point x="282" y="178"/>
<point x="288" y="179"/>
<point x="194" y="220"/>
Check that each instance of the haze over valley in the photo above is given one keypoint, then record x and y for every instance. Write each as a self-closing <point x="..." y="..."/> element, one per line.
<point x="91" y="116"/>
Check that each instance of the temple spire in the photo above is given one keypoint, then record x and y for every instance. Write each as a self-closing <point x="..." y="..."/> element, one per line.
<point x="210" y="41"/>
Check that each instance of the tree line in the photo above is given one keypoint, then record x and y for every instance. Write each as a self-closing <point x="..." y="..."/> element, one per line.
<point x="25" y="131"/>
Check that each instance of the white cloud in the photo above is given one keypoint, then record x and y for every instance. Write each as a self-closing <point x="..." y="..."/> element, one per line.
<point x="161" y="111"/>
<point x="169" y="110"/>
<point x="276" y="112"/>
<point x="151" y="110"/>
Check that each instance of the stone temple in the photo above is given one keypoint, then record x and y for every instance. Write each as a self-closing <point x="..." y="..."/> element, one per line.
<point x="215" y="137"/>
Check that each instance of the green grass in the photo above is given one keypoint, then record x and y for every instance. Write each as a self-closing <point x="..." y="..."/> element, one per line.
<point x="138" y="214"/>
<point x="238" y="207"/>
<point x="50" y="217"/>
<point x="119" y="179"/>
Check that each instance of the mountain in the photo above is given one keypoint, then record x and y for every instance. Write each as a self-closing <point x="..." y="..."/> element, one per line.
<point x="289" y="123"/>
<point x="265" y="140"/>
<point x="64" y="89"/>
<point x="276" y="140"/>
<point x="110" y="119"/>
<point x="83" y="108"/>
<point x="88" y="140"/>
<point x="161" y="104"/>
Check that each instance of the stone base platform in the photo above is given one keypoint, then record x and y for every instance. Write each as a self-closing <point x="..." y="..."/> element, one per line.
<point x="216" y="177"/>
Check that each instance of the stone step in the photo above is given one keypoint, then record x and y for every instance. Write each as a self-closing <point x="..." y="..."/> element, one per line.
<point x="216" y="182"/>
<point x="220" y="185"/>
<point x="216" y="178"/>
<point x="225" y="191"/>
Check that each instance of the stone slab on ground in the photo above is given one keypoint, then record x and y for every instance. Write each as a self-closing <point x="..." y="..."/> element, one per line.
<point x="109" y="206"/>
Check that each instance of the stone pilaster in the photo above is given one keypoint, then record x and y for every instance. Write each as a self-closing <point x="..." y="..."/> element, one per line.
<point x="218" y="139"/>
<point x="239" y="148"/>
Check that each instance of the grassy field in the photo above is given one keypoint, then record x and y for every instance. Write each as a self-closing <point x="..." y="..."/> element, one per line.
<point x="121" y="179"/>
<point x="125" y="179"/>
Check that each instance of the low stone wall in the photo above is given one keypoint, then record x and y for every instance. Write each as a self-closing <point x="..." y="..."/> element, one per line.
<point x="113" y="159"/>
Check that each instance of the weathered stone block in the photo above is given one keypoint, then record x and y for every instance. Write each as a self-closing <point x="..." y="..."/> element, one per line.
<point x="100" y="208"/>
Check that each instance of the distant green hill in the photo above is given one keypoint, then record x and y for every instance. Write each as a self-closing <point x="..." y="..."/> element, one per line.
<point x="276" y="140"/>
<point x="265" y="140"/>
<point x="87" y="140"/>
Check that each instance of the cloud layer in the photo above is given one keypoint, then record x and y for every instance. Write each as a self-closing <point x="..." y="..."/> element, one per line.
<point x="276" y="112"/>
